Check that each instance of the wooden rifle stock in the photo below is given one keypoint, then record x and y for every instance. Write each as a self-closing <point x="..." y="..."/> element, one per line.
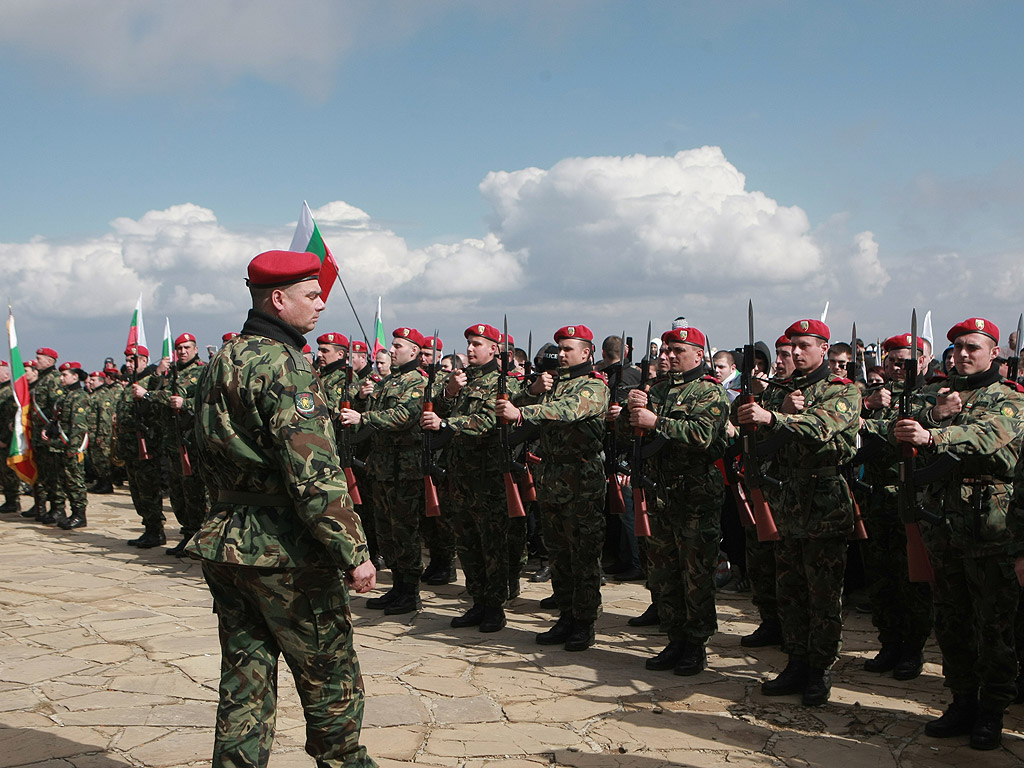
<point x="919" y="565"/>
<point x="527" y="490"/>
<point x="186" y="462"/>
<point x="859" y="532"/>
<point x="433" y="508"/>
<point x="143" y="451"/>
<point x="641" y="519"/>
<point x="350" y="475"/>
<point x="766" y="530"/>
<point x="616" y="502"/>
<point x="513" y="501"/>
<point x="743" y="509"/>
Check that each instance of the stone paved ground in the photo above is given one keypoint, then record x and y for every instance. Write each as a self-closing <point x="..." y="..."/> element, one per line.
<point x="108" y="657"/>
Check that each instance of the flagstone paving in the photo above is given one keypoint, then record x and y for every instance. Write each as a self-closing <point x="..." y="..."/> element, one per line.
<point x="109" y="657"/>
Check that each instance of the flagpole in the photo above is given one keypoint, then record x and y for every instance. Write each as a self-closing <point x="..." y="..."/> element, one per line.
<point x="353" y="306"/>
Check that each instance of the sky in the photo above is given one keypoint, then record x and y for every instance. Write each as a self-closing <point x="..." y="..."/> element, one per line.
<point x="600" y="163"/>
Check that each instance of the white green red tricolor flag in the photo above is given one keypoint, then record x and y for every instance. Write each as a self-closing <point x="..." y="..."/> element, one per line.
<point x="137" y="331"/>
<point x="378" y="331"/>
<point x="167" y="348"/>
<point x="19" y="456"/>
<point x="307" y="238"/>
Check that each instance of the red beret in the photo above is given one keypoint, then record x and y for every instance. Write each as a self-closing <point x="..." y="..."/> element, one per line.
<point x="337" y="339"/>
<point x="409" y="334"/>
<point x="431" y="342"/>
<point x="359" y="346"/>
<point x="783" y="341"/>
<point x="273" y="269"/>
<point x="3" y="364"/>
<point x="228" y="336"/>
<point x="574" y="332"/>
<point x="307" y="350"/>
<point x="136" y="349"/>
<point x="70" y="365"/>
<point x="99" y="374"/>
<point x="689" y="335"/>
<point x="184" y="338"/>
<point x="901" y="341"/>
<point x="47" y="351"/>
<point x="511" y="341"/>
<point x="488" y="332"/>
<point x="808" y="328"/>
<point x="30" y="364"/>
<point x="974" y="325"/>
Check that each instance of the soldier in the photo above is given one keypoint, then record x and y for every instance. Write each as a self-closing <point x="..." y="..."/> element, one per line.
<point x="282" y="544"/>
<point x="690" y="411"/>
<point x="45" y="394"/>
<point x="101" y="431"/>
<point x="397" y="471"/>
<point x="816" y="514"/>
<point x="72" y="427"/>
<point x="134" y="417"/>
<point x="465" y="408"/>
<point x="8" y="411"/>
<point x="900" y="609"/>
<point x="359" y="394"/>
<point x="332" y="349"/>
<point x="975" y="592"/>
<point x="570" y="410"/>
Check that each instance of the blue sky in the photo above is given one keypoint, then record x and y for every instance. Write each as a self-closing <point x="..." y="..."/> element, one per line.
<point x="899" y="120"/>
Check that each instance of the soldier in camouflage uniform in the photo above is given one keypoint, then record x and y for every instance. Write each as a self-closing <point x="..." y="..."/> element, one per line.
<point x="282" y="544"/>
<point x="102" y="400"/>
<point x="73" y="433"/>
<point x="901" y="609"/>
<point x="691" y="412"/>
<point x="396" y="467"/>
<point x="332" y="349"/>
<point x="9" y="481"/>
<point x="45" y="447"/>
<point x="464" y="407"/>
<point x="173" y="401"/>
<point x="972" y="552"/>
<point x="135" y="417"/>
<point x="570" y="480"/>
<point x="814" y="511"/>
<point x="359" y="394"/>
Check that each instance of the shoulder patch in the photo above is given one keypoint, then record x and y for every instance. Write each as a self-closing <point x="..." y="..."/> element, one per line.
<point x="1008" y="409"/>
<point x="715" y="409"/>
<point x="843" y="405"/>
<point x="599" y="375"/>
<point x="1013" y="385"/>
<point x="305" y="404"/>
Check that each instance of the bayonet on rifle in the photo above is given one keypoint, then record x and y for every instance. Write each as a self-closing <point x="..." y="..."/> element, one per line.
<point x="638" y="479"/>
<point x="433" y="505"/>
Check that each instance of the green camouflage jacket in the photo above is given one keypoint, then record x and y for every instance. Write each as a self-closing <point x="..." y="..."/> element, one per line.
<point x="74" y="419"/>
<point x="265" y="439"/>
<point x="8" y="409"/>
<point x="174" y="425"/>
<point x="45" y="394"/>
<point x="475" y="444"/>
<point x="985" y="436"/>
<point x="814" y="499"/>
<point x="332" y="382"/>
<point x="572" y="421"/>
<point x="102" y="402"/>
<point x="132" y="421"/>
<point x="394" y="417"/>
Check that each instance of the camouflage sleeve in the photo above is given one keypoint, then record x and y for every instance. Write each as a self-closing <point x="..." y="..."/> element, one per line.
<point x="405" y="413"/>
<point x="80" y="418"/>
<point x="822" y="419"/>
<point x="703" y="421"/>
<point x="877" y="425"/>
<point x="575" y="403"/>
<point x="995" y="423"/>
<point x="1015" y="511"/>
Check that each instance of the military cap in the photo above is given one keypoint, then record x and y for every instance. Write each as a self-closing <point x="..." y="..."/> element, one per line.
<point x="431" y="342"/>
<point x="409" y="334"/>
<point x="136" y="349"/>
<point x="359" y="346"/>
<point x="574" y="332"/>
<point x="228" y="336"/>
<point x="510" y="340"/>
<point x="901" y="341"/>
<point x="974" y="325"/>
<point x="683" y="335"/>
<point x="185" y="337"/>
<point x="47" y="351"/>
<point x="3" y="364"/>
<point x="274" y="269"/>
<point x="75" y="367"/>
<point x="30" y="364"/>
<point x="307" y="350"/>
<point x="337" y="339"/>
<point x="99" y="374"/>
<point x="808" y="328"/>
<point x="488" y="332"/>
<point x="783" y="341"/>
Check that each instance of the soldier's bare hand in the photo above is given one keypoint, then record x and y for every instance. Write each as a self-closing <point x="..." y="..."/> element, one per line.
<point x="544" y="383"/>
<point x="793" y="402"/>
<point x="177" y="402"/>
<point x="362" y="578"/>
<point x="366" y="390"/>
<point x="138" y="391"/>
<point x="613" y="412"/>
<point x="349" y="417"/>
<point x="912" y="432"/>
<point x="506" y="411"/>
<point x="430" y="420"/>
<point x="637" y="398"/>
<point x="947" y="405"/>
<point x="643" y="418"/>
<point x="456" y="382"/>
<point x="880" y="398"/>
<point x="752" y="413"/>
<point x="759" y="383"/>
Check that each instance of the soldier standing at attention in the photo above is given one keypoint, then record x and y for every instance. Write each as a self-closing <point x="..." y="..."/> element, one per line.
<point x="692" y="411"/>
<point x="332" y="348"/>
<point x="101" y="430"/>
<point x="8" y="409"/>
<point x="975" y="591"/>
<point x="72" y="435"/>
<point x="815" y="511"/>
<point x="46" y="446"/>
<point x="395" y="464"/>
<point x="282" y="544"/>
<point x="570" y="479"/>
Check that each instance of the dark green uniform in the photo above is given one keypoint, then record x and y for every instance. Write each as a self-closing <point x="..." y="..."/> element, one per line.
<point x="46" y="447"/>
<point x="9" y="482"/>
<point x="101" y="432"/>
<point x="280" y="535"/>
<point x="73" y="419"/>
<point x="135" y="420"/>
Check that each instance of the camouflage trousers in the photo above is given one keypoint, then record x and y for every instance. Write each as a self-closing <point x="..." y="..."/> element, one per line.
<point x="481" y="524"/>
<point x="189" y="501"/>
<point x="9" y="481"/>
<point x="901" y="609"/>
<point x="144" y="484"/>
<point x="399" y="508"/>
<point x="682" y="575"/>
<point x="366" y="510"/>
<point x="975" y="611"/>
<point x="48" y="486"/>
<point x="438" y="532"/>
<point x="303" y="614"/>
<point x="761" y="572"/>
<point x="72" y="468"/>
<point x="99" y="457"/>
<point x="810" y="596"/>
<point x="574" y="535"/>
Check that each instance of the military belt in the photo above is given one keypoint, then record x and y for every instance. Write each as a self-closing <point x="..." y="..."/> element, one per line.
<point x="244" y="499"/>
<point x="805" y="473"/>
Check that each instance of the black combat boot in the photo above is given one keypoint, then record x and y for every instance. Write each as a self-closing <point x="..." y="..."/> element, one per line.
<point x="581" y="637"/>
<point x="382" y="602"/>
<point x="668" y="658"/>
<point x="470" y="618"/>
<point x="910" y="666"/>
<point x="102" y="486"/>
<point x="646" y="619"/>
<point x="493" y="619"/>
<point x="77" y="520"/>
<point x="10" y="505"/>
<point x="406" y="601"/>
<point x="818" y="688"/>
<point x="693" y="661"/>
<point x="988" y="730"/>
<point x="559" y="633"/>
<point x="49" y="518"/>
<point x="957" y="720"/>
<point x="887" y="658"/>
<point x="31" y="511"/>
<point x="769" y="633"/>
<point x="443" y="574"/>
<point x="153" y="537"/>
<point x="793" y="678"/>
<point x="543" y="574"/>
<point x="549" y="602"/>
<point x="428" y="572"/>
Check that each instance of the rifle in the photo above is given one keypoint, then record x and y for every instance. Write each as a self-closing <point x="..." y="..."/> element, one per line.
<point x="859" y="532"/>
<point x="616" y="503"/>
<point x="752" y="475"/>
<point x="512" y="498"/>
<point x="433" y="507"/>
<point x="186" y="462"/>
<point x="637" y="477"/>
<point x="1013" y="363"/>
<point x="140" y="426"/>
<point x="527" y="490"/>
<point x="344" y="445"/>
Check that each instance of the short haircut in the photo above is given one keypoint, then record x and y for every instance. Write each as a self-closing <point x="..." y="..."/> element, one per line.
<point x="840" y="348"/>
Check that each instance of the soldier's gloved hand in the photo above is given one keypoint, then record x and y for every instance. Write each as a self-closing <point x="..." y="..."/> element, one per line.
<point x="947" y="405"/>
<point x="793" y="403"/>
<point x="362" y="578"/>
<point x="455" y="383"/>
<point x="544" y="383"/>
<point x="430" y="420"/>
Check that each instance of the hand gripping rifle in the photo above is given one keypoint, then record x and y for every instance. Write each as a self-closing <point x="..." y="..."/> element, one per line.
<point x="186" y="462"/>
<point x="616" y="504"/>
<point x="140" y="425"/>
<point x="637" y="478"/>
<point x="527" y="490"/>
<point x="512" y="497"/>
<point x="1013" y="363"/>
<point x="345" y="444"/>
<point x="752" y="476"/>
<point x="850" y="471"/>
<point x="433" y="506"/>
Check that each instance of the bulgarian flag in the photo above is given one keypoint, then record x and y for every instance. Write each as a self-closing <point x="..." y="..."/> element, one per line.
<point x="19" y="456"/>
<point x="137" y="331"/>
<point x="167" y="348"/>
<point x="378" y="331"/>
<point x="307" y="238"/>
